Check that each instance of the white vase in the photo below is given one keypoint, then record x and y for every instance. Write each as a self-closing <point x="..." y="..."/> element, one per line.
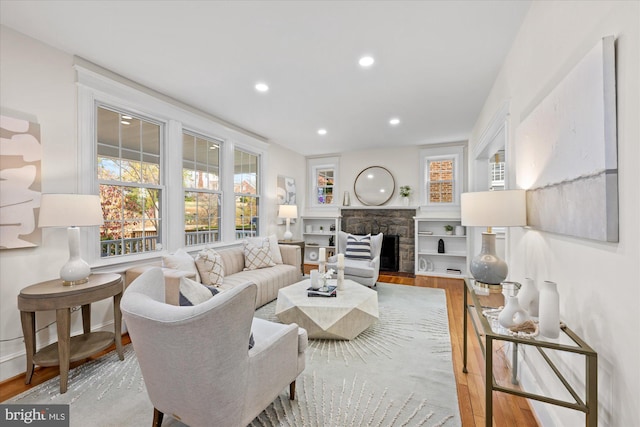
<point x="405" y="201"/>
<point x="459" y="230"/>
<point x="528" y="297"/>
<point x="549" y="310"/>
<point x="512" y="314"/>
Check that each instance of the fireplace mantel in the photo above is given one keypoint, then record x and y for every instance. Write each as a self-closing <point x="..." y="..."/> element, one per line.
<point x="389" y="207"/>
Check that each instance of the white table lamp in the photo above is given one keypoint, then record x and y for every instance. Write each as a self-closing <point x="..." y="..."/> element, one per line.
<point x="492" y="209"/>
<point x="72" y="211"/>
<point x="288" y="212"/>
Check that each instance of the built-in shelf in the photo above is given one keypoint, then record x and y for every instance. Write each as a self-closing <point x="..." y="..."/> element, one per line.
<point x="428" y="261"/>
<point x="319" y="232"/>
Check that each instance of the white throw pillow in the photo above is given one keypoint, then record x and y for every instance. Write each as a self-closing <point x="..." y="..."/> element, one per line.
<point x="181" y="260"/>
<point x="210" y="267"/>
<point x="256" y="257"/>
<point x="272" y="243"/>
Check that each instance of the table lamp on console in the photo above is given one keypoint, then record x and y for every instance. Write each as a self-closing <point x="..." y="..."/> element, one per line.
<point x="72" y="211"/>
<point x="492" y="209"/>
<point x="288" y="212"/>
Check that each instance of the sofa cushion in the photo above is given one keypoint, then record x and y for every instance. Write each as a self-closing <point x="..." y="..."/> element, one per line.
<point x="270" y="241"/>
<point x="360" y="268"/>
<point x="256" y="257"/>
<point x="181" y="260"/>
<point x="358" y="247"/>
<point x="194" y="293"/>
<point x="269" y="280"/>
<point x="209" y="264"/>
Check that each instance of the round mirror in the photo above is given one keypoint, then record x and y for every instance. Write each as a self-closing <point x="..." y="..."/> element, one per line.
<point x="374" y="186"/>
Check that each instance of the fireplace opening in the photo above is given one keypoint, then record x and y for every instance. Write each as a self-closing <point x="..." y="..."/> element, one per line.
<point x="390" y="253"/>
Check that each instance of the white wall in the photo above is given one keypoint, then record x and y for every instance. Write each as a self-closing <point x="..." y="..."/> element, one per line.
<point x="37" y="83"/>
<point x="598" y="282"/>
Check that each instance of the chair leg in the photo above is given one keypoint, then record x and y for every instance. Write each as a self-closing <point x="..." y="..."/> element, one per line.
<point x="292" y="390"/>
<point x="157" y="418"/>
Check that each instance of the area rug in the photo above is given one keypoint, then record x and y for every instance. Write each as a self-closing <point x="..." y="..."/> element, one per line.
<point x="398" y="372"/>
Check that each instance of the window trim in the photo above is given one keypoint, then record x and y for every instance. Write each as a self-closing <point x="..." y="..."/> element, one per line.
<point x="98" y="85"/>
<point x="455" y="152"/>
<point x="315" y="164"/>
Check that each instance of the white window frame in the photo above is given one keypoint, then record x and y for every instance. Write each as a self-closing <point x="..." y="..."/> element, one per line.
<point x="453" y="152"/>
<point x="99" y="86"/>
<point x="313" y="166"/>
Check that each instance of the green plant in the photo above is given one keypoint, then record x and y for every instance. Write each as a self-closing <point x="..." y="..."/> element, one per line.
<point x="405" y="191"/>
<point x="448" y="227"/>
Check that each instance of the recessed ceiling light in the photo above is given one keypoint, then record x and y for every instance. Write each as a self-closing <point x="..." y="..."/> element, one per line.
<point x="322" y="131"/>
<point x="394" y="121"/>
<point x="261" y="87"/>
<point x="366" y="61"/>
<point x="127" y="117"/>
<point x="124" y="122"/>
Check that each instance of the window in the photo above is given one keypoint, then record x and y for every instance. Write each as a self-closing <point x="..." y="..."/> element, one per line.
<point x="129" y="179"/>
<point x="246" y="191"/>
<point x="442" y="172"/>
<point x="201" y="183"/>
<point x="324" y="186"/>
<point x="166" y="173"/>
<point x="497" y="171"/>
<point x="323" y="179"/>
<point x="440" y="180"/>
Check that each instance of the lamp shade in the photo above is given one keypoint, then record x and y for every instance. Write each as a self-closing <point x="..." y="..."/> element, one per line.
<point x="67" y="210"/>
<point x="494" y="208"/>
<point x="288" y="211"/>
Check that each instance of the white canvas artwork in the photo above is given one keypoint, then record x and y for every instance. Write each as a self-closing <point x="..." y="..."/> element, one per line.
<point x="20" y="157"/>
<point x="566" y="152"/>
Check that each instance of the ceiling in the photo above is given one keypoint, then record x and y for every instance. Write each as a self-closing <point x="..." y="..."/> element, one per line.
<point x="435" y="61"/>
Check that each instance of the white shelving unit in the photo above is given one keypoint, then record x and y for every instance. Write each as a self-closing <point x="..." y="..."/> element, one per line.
<point x="321" y="230"/>
<point x="428" y="261"/>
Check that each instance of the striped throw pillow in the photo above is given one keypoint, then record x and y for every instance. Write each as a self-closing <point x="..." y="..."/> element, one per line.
<point x="358" y="247"/>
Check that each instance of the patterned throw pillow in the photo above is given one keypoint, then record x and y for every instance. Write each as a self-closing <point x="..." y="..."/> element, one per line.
<point x="210" y="267"/>
<point x="272" y="242"/>
<point x="194" y="293"/>
<point x="358" y="247"/>
<point x="256" y="257"/>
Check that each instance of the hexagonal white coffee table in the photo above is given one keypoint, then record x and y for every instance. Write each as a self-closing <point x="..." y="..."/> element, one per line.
<point x="343" y="317"/>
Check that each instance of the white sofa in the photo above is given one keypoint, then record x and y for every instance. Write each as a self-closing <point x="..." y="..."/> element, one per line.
<point x="268" y="280"/>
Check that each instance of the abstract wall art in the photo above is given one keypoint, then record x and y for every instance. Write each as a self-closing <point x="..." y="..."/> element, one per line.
<point x="566" y="152"/>
<point x="20" y="157"/>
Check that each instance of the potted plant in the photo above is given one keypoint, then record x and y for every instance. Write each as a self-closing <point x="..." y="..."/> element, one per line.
<point x="448" y="228"/>
<point x="405" y="192"/>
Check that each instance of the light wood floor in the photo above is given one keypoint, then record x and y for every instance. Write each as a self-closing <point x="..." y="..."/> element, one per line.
<point x="508" y="410"/>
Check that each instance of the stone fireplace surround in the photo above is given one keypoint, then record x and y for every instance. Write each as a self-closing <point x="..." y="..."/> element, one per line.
<point x="388" y="221"/>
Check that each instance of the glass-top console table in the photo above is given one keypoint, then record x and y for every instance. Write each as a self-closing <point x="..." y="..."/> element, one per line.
<point x="478" y="303"/>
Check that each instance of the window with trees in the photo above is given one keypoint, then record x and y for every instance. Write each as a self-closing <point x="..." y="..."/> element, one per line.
<point x="202" y="189"/>
<point x="129" y="178"/>
<point x="246" y="187"/>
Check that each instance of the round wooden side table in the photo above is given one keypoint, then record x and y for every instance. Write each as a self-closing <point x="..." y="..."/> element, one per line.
<point x="53" y="295"/>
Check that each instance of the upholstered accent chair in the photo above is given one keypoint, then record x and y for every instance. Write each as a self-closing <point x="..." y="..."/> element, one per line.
<point x="363" y="271"/>
<point x="195" y="360"/>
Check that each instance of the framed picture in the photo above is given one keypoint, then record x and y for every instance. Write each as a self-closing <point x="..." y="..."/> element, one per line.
<point x="20" y="189"/>
<point x="286" y="191"/>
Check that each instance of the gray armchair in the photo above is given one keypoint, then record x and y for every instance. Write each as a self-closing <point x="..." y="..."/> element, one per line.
<point x="362" y="271"/>
<point x="196" y="362"/>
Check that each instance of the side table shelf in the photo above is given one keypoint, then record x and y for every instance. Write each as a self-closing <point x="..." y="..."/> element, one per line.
<point x="487" y="333"/>
<point x="53" y="295"/>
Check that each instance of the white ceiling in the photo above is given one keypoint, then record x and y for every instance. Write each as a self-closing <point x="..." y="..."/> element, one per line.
<point x="435" y="61"/>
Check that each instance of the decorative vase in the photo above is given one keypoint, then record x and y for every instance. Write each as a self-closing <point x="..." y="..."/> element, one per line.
<point x="440" y="246"/>
<point x="315" y="282"/>
<point x="512" y="314"/>
<point x="528" y="297"/>
<point x="346" y="200"/>
<point x="459" y="230"/>
<point x="549" y="310"/>
<point x="405" y="201"/>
